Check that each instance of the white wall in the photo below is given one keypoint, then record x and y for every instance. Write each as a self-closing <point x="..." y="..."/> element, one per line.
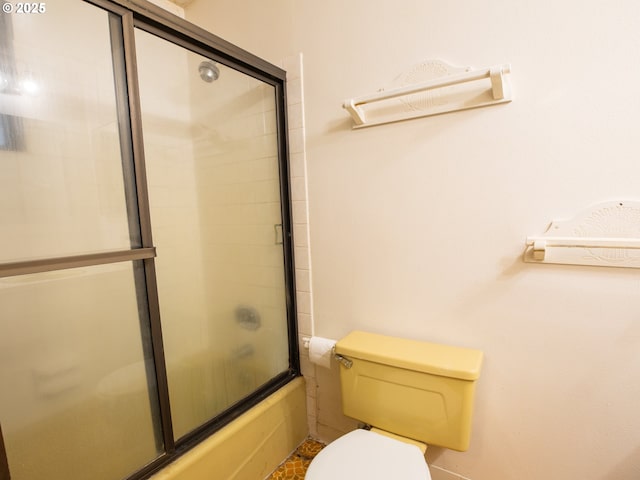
<point x="417" y="228"/>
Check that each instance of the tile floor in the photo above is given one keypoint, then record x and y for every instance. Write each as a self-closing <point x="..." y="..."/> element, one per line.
<point x="295" y="467"/>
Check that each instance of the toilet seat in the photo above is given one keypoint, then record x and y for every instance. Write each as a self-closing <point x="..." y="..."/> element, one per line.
<point x="366" y="455"/>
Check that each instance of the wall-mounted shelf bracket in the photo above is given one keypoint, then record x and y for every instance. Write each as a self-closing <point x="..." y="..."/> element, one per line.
<point x="356" y="112"/>
<point x="606" y="234"/>
<point x="431" y="88"/>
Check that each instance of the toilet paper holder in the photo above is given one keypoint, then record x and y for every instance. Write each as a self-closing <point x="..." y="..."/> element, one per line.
<point x="336" y="356"/>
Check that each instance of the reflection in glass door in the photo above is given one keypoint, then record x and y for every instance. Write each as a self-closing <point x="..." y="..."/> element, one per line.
<point x="211" y="153"/>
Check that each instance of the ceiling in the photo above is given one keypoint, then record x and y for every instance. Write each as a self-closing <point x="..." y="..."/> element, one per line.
<point x="182" y="3"/>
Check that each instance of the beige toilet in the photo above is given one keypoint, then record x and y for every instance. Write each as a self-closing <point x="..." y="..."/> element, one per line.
<point x="412" y="393"/>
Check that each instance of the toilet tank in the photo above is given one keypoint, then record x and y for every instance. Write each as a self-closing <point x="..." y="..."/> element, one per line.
<point x="420" y="390"/>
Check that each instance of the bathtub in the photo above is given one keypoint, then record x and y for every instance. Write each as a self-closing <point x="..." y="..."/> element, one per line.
<point x="251" y="446"/>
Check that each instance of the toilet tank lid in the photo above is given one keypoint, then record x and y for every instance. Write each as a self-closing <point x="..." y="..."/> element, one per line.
<point x="433" y="358"/>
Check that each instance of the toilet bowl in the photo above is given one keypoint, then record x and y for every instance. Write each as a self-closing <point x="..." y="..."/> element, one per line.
<point x="366" y="455"/>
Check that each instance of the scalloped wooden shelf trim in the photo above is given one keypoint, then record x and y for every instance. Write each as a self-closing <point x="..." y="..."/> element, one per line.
<point x="606" y="235"/>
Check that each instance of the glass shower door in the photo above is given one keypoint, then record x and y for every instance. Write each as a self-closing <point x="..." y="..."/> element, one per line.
<point x="211" y="153"/>
<point x="76" y="397"/>
<point x="146" y="279"/>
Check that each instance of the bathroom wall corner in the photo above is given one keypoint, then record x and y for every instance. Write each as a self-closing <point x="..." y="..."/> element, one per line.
<point x="300" y="210"/>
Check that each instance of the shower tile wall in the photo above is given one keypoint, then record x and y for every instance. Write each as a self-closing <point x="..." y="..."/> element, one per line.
<point x="236" y="155"/>
<point x="211" y="151"/>
<point x="171" y="178"/>
<point x="299" y="196"/>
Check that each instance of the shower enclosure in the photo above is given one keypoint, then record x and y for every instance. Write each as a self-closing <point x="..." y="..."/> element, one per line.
<point x="146" y="270"/>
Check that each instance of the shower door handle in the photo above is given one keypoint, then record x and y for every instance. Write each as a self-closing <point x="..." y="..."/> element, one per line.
<point x="278" y="233"/>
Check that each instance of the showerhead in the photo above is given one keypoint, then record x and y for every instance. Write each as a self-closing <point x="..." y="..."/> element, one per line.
<point x="209" y="71"/>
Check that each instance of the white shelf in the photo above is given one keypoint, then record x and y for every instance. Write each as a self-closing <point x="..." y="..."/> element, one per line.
<point x="606" y="234"/>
